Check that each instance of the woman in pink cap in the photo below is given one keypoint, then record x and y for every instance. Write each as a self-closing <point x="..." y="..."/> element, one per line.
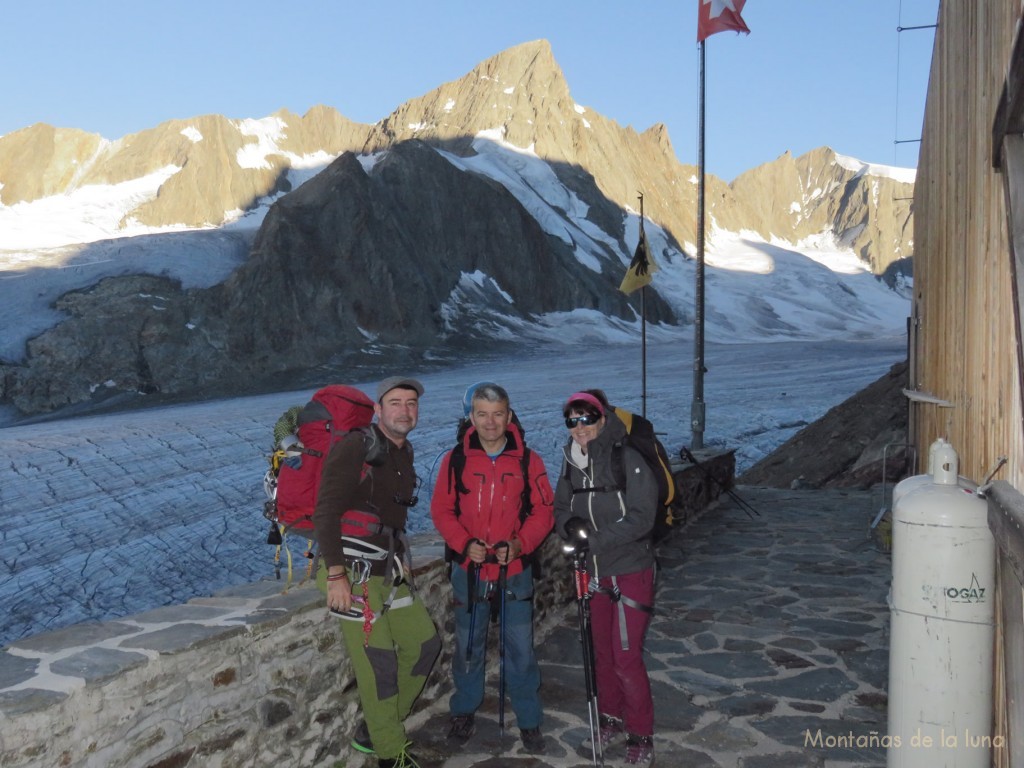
<point x="606" y="500"/>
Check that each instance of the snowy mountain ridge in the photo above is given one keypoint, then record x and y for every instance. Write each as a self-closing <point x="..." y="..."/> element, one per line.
<point x="517" y="205"/>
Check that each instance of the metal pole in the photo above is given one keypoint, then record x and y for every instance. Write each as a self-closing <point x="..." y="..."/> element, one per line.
<point x="582" y="580"/>
<point x="643" y="329"/>
<point x="472" y="587"/>
<point x="643" y="351"/>
<point x="697" y="409"/>
<point x="502" y="586"/>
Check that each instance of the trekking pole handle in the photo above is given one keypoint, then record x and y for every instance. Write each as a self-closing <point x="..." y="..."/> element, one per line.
<point x="501" y="545"/>
<point x="577" y="535"/>
<point x="470" y="545"/>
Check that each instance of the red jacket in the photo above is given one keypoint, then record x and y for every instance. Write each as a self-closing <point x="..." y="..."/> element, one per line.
<point x="489" y="510"/>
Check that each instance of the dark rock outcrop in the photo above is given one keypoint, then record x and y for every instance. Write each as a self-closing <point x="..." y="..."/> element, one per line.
<point x="125" y="335"/>
<point x="850" y="446"/>
<point x="388" y="256"/>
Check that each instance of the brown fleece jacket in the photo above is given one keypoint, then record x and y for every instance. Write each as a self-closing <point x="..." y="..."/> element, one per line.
<point x="347" y="482"/>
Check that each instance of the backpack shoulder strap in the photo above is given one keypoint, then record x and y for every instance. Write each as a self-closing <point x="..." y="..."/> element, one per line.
<point x="456" y="466"/>
<point x="525" y="502"/>
<point x="376" y="448"/>
<point x="619" y="465"/>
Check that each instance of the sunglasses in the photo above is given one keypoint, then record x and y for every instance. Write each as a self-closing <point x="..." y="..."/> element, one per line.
<point x="586" y="420"/>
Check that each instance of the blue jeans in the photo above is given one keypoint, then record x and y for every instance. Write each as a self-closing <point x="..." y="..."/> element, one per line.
<point x="522" y="673"/>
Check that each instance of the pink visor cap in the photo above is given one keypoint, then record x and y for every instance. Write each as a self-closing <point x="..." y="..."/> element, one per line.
<point x="584" y="397"/>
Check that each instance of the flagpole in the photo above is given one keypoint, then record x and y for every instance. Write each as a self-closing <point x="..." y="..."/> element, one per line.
<point x="697" y="408"/>
<point x="712" y="16"/>
<point x="643" y="327"/>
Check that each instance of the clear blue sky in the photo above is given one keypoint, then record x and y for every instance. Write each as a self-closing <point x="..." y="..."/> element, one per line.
<point x="811" y="73"/>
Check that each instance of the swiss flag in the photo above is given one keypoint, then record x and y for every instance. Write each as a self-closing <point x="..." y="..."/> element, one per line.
<point x="718" y="16"/>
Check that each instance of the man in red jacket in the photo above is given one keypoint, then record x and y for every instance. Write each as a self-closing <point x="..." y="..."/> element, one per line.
<point x="492" y="503"/>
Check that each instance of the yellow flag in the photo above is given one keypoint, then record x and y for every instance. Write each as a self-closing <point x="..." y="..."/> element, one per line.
<point x="640" y="268"/>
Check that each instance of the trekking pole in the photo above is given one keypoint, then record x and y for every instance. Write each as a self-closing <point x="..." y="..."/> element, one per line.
<point x="473" y="586"/>
<point x="502" y="583"/>
<point x="582" y="578"/>
<point x="684" y="452"/>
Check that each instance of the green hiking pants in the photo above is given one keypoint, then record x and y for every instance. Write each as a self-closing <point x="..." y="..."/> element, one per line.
<point x="392" y="668"/>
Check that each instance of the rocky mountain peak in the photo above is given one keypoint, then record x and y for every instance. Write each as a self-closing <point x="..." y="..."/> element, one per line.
<point x="799" y="197"/>
<point x="658" y="134"/>
<point x="532" y="63"/>
<point x="519" y="95"/>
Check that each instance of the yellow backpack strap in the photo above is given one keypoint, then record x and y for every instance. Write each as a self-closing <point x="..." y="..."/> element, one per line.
<point x="626" y="417"/>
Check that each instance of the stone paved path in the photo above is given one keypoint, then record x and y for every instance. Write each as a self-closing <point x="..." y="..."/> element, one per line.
<point x="769" y="648"/>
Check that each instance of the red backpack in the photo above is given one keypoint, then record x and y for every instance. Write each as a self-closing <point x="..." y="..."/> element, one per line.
<point x="303" y="438"/>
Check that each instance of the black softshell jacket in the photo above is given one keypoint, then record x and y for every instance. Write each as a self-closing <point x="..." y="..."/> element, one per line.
<point x="620" y="521"/>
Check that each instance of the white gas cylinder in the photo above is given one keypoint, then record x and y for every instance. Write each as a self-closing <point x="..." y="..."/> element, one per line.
<point x="942" y="609"/>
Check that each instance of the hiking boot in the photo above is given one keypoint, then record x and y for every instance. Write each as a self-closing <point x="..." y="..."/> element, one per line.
<point x="639" y="750"/>
<point x="461" y="729"/>
<point x="404" y="760"/>
<point x="361" y="741"/>
<point x="533" y="740"/>
<point x="611" y="732"/>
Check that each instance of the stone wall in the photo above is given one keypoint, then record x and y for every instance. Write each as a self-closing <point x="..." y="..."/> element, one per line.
<point x="252" y="676"/>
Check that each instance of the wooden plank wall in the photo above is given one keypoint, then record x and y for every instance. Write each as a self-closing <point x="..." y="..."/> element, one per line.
<point x="965" y="349"/>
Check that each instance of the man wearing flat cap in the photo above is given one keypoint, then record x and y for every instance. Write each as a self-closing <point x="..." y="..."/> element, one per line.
<point x="366" y="489"/>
